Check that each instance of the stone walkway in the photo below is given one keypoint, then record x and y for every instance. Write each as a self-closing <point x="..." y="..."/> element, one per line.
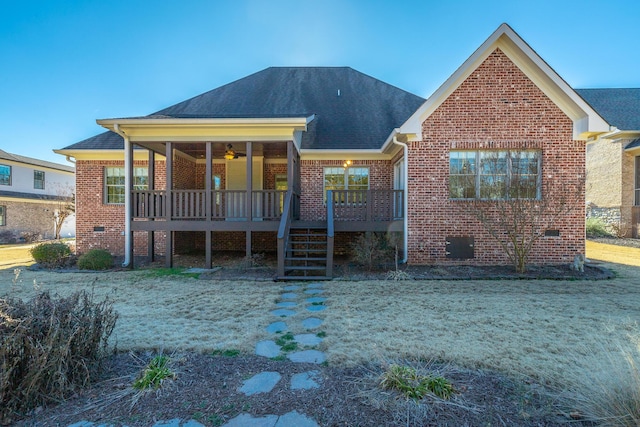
<point x="301" y="348"/>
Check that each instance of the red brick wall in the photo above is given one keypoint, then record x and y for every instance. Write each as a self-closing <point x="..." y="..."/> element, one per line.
<point x="312" y="182"/>
<point x="497" y="107"/>
<point x="91" y="211"/>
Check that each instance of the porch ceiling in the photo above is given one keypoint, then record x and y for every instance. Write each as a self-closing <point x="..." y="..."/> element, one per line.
<point x="197" y="150"/>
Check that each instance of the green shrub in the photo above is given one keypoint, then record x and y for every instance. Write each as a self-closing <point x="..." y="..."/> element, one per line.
<point x="596" y="227"/>
<point x="95" y="259"/>
<point x="49" y="348"/>
<point x="51" y="255"/>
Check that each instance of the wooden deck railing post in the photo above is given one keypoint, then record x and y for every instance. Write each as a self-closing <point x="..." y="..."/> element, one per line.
<point x="330" y="234"/>
<point x="283" y="232"/>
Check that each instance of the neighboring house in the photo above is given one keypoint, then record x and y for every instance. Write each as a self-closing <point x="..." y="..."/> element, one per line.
<point x="301" y="159"/>
<point x="613" y="160"/>
<point x="31" y="192"/>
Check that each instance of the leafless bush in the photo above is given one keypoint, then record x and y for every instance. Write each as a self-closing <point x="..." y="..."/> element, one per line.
<point x="49" y="348"/>
<point x="30" y="236"/>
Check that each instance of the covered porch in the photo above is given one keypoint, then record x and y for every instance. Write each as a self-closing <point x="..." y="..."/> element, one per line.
<point x="213" y="176"/>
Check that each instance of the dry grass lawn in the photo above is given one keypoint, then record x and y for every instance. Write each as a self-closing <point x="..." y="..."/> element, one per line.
<point x="538" y="328"/>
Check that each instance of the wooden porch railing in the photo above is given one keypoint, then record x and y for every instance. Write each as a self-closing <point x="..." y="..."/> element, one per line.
<point x="367" y="205"/>
<point x="191" y="204"/>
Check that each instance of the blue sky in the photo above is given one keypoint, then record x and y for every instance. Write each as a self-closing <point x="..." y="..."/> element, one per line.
<point x="67" y="63"/>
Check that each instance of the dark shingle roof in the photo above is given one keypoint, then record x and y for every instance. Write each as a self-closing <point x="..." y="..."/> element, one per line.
<point x="633" y="144"/>
<point x="35" y="162"/>
<point x="619" y="107"/>
<point x="352" y="110"/>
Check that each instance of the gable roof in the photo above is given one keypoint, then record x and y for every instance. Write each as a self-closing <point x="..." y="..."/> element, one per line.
<point x="586" y="121"/>
<point x="35" y="162"/>
<point x="619" y="107"/>
<point x="351" y="110"/>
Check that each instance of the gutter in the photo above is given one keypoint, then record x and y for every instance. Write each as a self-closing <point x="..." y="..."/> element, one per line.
<point x="405" y="225"/>
<point x="127" y="195"/>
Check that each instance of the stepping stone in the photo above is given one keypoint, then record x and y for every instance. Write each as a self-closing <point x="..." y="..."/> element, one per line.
<point x="177" y="422"/>
<point x="286" y="304"/>
<point x="312" y="322"/>
<point x="305" y="380"/>
<point x="276" y="327"/>
<point x="246" y="420"/>
<point x="296" y="419"/>
<point x="307" y="339"/>
<point x="264" y="382"/>
<point x="267" y="349"/>
<point x="291" y="287"/>
<point x="316" y="307"/>
<point x="315" y="285"/>
<point x="307" y="356"/>
<point x="315" y="299"/>
<point x="313" y="291"/>
<point x="283" y="312"/>
<point x="289" y="295"/>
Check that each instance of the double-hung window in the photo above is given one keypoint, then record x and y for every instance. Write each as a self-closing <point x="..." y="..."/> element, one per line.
<point x="494" y="175"/>
<point x="5" y="175"/>
<point x="38" y="180"/>
<point x="350" y="178"/>
<point x="114" y="183"/>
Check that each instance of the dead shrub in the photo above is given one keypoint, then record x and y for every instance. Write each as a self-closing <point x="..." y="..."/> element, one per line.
<point x="49" y="348"/>
<point x="371" y="249"/>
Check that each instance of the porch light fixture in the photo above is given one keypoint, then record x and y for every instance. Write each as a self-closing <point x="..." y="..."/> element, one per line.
<point x="347" y="164"/>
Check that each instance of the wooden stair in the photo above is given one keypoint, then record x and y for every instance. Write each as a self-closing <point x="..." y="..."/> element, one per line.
<point x="306" y="254"/>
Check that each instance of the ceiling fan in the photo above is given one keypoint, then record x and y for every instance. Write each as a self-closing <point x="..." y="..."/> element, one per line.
<point x="231" y="154"/>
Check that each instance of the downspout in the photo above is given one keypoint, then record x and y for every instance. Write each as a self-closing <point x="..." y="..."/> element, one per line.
<point x="127" y="195"/>
<point x="405" y="225"/>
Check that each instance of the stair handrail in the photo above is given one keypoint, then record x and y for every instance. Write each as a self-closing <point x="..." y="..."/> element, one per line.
<point x="283" y="231"/>
<point x="330" y="233"/>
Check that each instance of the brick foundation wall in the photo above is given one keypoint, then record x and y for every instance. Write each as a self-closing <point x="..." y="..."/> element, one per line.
<point x="497" y="107"/>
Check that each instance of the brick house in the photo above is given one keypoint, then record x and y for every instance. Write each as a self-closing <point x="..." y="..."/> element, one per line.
<point x="613" y="160"/>
<point x="299" y="160"/>
<point x="31" y="192"/>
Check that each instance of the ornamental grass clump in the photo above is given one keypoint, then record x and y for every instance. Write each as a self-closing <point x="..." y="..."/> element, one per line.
<point x="50" y="348"/>
<point x="156" y="372"/>
<point x="407" y="381"/>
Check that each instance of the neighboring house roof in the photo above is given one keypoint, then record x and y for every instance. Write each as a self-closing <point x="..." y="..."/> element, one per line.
<point x="586" y="121"/>
<point x="633" y="144"/>
<point x="35" y="162"/>
<point x="351" y="110"/>
<point x="32" y="196"/>
<point x="619" y="107"/>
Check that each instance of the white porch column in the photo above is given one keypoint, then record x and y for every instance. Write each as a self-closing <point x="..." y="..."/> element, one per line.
<point x="128" y="179"/>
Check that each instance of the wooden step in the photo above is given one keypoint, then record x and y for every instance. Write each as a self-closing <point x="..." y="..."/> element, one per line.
<point x="303" y="278"/>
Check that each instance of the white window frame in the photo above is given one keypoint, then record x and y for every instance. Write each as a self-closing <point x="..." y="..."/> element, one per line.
<point x="140" y="182"/>
<point x="3" y="215"/>
<point x="345" y="182"/>
<point x="477" y="176"/>
<point x="7" y="180"/>
<point x="36" y="180"/>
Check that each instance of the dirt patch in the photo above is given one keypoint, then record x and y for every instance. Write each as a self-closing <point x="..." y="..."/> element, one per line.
<point x="206" y="389"/>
